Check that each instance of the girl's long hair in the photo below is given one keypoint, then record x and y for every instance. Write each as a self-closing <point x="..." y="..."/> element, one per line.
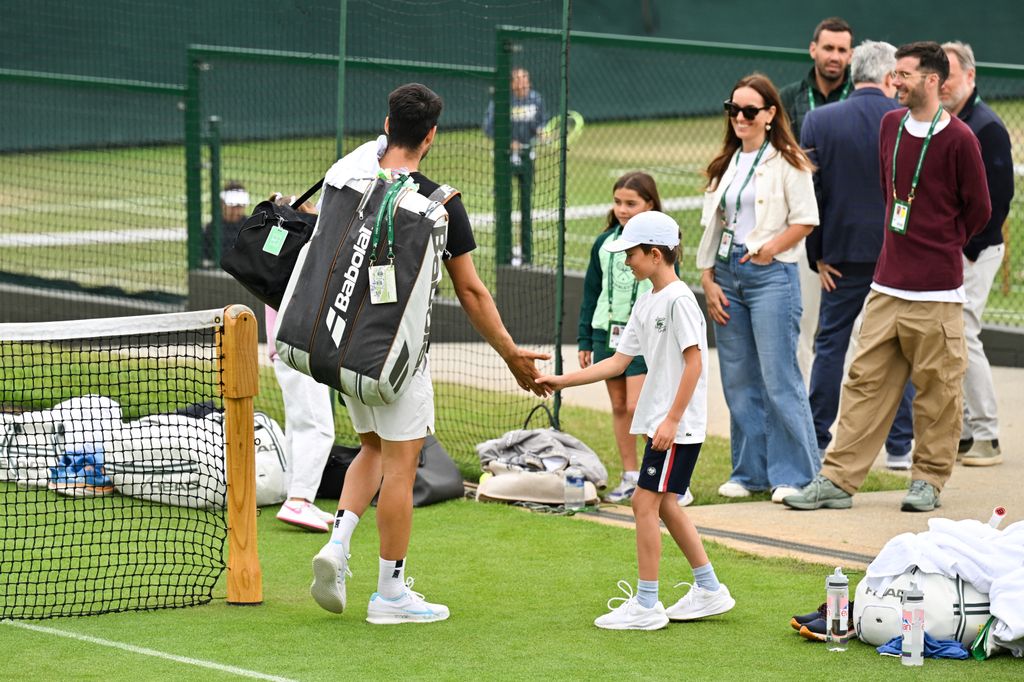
<point x="780" y="135"/>
<point x="641" y="183"/>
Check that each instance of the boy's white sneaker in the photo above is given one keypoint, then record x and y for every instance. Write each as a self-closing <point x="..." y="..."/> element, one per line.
<point x="409" y="607"/>
<point x="686" y="499"/>
<point x="699" y="603"/>
<point x="304" y="515"/>
<point x="329" y="573"/>
<point x="630" y="614"/>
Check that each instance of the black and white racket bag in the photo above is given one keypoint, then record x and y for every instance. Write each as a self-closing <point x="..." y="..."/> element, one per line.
<point x="363" y="338"/>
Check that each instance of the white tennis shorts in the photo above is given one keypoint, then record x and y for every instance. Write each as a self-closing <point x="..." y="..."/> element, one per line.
<point x="408" y="418"/>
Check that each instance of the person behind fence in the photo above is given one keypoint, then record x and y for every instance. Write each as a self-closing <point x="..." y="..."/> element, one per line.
<point x="667" y="328"/>
<point x="609" y="292"/>
<point x="842" y="141"/>
<point x="983" y="254"/>
<point x="827" y="82"/>
<point x="527" y="114"/>
<point x="759" y="206"/>
<point x="391" y="437"/>
<point x="933" y="180"/>
<point x="234" y="209"/>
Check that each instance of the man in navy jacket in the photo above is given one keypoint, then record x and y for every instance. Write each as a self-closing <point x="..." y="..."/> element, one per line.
<point x="842" y="141"/>
<point x="983" y="254"/>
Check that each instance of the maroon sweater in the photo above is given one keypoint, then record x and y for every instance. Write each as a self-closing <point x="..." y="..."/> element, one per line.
<point x="951" y="205"/>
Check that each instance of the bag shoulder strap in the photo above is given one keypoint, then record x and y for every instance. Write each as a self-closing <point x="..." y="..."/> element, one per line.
<point x="443" y="194"/>
<point x="307" y="194"/>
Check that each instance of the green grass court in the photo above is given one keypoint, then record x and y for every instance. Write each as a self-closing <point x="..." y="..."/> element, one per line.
<point x="523" y="590"/>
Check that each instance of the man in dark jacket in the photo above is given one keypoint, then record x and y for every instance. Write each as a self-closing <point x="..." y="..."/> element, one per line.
<point x="828" y="81"/>
<point x="979" y="440"/>
<point x="842" y="141"/>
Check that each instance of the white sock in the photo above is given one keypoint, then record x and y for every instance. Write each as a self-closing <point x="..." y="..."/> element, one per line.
<point x="391" y="578"/>
<point x="631" y="476"/>
<point x="344" y="525"/>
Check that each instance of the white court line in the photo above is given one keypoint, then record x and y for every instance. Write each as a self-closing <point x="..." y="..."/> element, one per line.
<point x="230" y="669"/>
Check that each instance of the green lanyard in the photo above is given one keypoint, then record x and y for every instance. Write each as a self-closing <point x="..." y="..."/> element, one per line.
<point x="388" y="206"/>
<point x="920" y="159"/>
<point x="611" y="281"/>
<point x="843" y="95"/>
<point x="750" y="174"/>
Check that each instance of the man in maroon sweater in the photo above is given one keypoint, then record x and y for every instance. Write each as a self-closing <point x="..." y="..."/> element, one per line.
<point x="937" y="198"/>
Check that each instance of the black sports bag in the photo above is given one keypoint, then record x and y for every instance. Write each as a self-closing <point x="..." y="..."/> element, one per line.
<point x="268" y="244"/>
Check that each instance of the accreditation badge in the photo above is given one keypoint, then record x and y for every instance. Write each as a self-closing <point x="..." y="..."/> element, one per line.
<point x="900" y="216"/>
<point x="615" y="330"/>
<point x="725" y="245"/>
<point x="382" y="284"/>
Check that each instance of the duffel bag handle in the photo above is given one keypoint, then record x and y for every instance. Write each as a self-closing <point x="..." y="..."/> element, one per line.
<point x="307" y="194"/>
<point x="552" y="422"/>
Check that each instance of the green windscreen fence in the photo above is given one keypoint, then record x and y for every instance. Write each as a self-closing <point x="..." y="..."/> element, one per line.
<point x="113" y="160"/>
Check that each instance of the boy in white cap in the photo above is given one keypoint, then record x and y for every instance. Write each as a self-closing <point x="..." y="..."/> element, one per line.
<point x="668" y="329"/>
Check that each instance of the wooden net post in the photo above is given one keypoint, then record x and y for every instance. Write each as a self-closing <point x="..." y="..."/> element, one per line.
<point x="240" y="373"/>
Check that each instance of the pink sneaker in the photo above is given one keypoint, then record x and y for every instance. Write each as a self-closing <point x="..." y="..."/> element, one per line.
<point x="302" y="514"/>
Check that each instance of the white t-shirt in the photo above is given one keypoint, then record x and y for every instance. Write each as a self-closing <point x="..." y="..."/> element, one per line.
<point x="662" y="325"/>
<point x="747" y="219"/>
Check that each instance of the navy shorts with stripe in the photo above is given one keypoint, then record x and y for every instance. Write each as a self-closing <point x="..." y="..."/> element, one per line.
<point x="668" y="471"/>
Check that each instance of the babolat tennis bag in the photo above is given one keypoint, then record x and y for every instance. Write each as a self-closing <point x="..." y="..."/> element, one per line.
<point x="366" y="338"/>
<point x="267" y="246"/>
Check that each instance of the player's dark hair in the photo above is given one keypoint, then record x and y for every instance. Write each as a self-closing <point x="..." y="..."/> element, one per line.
<point x="413" y="109"/>
<point x="669" y="254"/>
<point x="930" y="55"/>
<point x="833" y="24"/>
<point x="641" y="183"/>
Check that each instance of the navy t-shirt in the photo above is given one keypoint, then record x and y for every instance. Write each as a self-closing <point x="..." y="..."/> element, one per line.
<point x="460" y="233"/>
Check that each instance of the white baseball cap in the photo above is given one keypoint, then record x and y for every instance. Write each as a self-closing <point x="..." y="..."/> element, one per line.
<point x="649" y="227"/>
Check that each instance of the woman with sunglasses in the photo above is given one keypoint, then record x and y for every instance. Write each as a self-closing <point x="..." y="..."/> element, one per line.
<point x="759" y="205"/>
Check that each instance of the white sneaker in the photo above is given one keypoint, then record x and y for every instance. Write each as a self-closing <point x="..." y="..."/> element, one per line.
<point x="630" y="615"/>
<point x="732" y="489"/>
<point x="782" y="492"/>
<point x="327" y="516"/>
<point x="623" y="492"/>
<point x="303" y="514"/>
<point x="329" y="573"/>
<point x="686" y="499"/>
<point x="699" y="603"/>
<point x="898" y="462"/>
<point x="409" y="607"/>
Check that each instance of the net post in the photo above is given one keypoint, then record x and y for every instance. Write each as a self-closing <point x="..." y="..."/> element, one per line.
<point x="240" y="374"/>
<point x="502" y="146"/>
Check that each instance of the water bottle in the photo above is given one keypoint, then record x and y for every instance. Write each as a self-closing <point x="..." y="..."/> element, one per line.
<point x="575" y="495"/>
<point x="913" y="626"/>
<point x="837" y="613"/>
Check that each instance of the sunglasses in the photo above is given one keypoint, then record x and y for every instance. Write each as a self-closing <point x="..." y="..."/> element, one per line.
<point x="749" y="112"/>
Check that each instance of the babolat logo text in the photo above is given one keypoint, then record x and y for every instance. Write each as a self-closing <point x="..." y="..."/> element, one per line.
<point x="337" y="315"/>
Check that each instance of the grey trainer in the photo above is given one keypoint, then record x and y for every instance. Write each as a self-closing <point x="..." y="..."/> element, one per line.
<point x="983" y="453"/>
<point x="819" y="493"/>
<point x="922" y="497"/>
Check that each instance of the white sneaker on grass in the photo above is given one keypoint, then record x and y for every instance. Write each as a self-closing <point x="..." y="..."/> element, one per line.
<point x="304" y="515"/>
<point x="623" y="492"/>
<point x="733" y="489"/>
<point x="686" y="499"/>
<point x="327" y="516"/>
<point x="329" y="574"/>
<point x="630" y="615"/>
<point x="409" y="607"/>
<point x="699" y="603"/>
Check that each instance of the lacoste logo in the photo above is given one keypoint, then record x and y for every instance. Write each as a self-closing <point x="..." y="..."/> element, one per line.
<point x="659" y="324"/>
<point x="336" y="322"/>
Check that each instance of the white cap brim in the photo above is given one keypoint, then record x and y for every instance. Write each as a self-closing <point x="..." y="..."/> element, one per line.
<point x="619" y="245"/>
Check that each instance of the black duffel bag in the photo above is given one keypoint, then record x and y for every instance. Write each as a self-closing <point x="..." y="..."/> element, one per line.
<point x="437" y="476"/>
<point x="268" y="243"/>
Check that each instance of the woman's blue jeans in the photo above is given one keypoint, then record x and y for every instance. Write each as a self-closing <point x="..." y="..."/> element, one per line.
<point x="773" y="441"/>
